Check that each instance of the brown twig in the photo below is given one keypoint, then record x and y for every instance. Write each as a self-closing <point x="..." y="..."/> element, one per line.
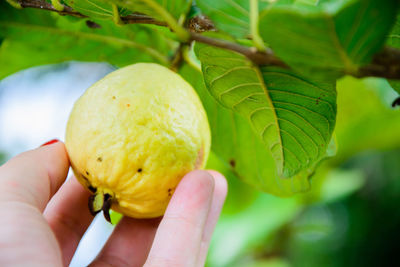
<point x="262" y="58"/>
<point x="129" y="19"/>
<point x="385" y="64"/>
<point x="40" y="4"/>
<point x="177" y="59"/>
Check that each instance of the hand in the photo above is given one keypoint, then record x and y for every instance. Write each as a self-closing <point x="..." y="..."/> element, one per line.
<point x="43" y="219"/>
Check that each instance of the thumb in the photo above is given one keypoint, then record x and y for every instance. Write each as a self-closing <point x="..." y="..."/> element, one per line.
<point x="34" y="176"/>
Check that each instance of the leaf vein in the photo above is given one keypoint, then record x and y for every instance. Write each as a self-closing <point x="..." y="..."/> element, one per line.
<point x="228" y="72"/>
<point x="99" y="7"/>
<point x="297" y="141"/>
<point x="237" y="87"/>
<point x="304" y="96"/>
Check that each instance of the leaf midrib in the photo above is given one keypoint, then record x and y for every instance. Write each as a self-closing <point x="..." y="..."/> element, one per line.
<point x="349" y="65"/>
<point x="263" y="86"/>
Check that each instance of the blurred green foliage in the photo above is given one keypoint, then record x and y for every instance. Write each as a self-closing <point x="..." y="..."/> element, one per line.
<point x="3" y="157"/>
<point x="347" y="218"/>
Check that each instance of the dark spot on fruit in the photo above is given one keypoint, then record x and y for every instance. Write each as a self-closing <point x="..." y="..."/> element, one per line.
<point x="232" y="162"/>
<point x="113" y="97"/>
<point x="92" y="189"/>
<point x="139" y="170"/>
<point x="87" y="173"/>
<point x="99" y="159"/>
<point x="170" y="191"/>
<point x="396" y="102"/>
<point x="92" y="24"/>
<point x="85" y="178"/>
<point x="128" y="105"/>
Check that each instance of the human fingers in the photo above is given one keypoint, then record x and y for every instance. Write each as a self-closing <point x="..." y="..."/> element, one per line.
<point x="178" y="238"/>
<point x="27" y="182"/>
<point x="68" y="216"/>
<point x="129" y="243"/>
<point x="26" y="239"/>
<point x="34" y="176"/>
<point x="218" y="200"/>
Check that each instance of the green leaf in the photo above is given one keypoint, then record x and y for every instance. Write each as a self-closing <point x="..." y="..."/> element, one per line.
<point x="329" y="39"/>
<point x="240" y="149"/>
<point x="156" y="8"/>
<point x="95" y="9"/>
<point x="233" y="16"/>
<point x="394" y="41"/>
<point x="294" y="117"/>
<point x="37" y="37"/>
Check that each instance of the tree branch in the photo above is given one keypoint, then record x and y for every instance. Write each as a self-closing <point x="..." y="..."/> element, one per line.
<point x="40" y="4"/>
<point x="262" y="58"/>
<point x="385" y="64"/>
<point x="129" y="19"/>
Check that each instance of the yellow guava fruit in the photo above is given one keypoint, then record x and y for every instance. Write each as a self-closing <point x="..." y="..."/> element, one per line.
<point x="133" y="135"/>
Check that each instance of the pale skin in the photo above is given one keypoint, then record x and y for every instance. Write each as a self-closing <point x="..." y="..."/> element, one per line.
<point x="43" y="218"/>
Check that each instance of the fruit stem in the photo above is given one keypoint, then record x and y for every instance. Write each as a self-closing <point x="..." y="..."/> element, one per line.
<point x="100" y="202"/>
<point x="106" y="207"/>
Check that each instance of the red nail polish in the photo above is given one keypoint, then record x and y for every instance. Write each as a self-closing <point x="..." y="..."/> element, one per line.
<point x="50" y="142"/>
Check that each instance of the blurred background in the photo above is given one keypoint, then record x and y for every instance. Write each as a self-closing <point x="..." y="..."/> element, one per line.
<point x="349" y="217"/>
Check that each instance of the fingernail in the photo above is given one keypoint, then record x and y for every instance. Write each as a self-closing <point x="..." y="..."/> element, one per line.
<point x="50" y="142"/>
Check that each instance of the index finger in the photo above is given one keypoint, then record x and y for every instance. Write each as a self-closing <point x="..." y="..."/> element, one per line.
<point x="34" y="176"/>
